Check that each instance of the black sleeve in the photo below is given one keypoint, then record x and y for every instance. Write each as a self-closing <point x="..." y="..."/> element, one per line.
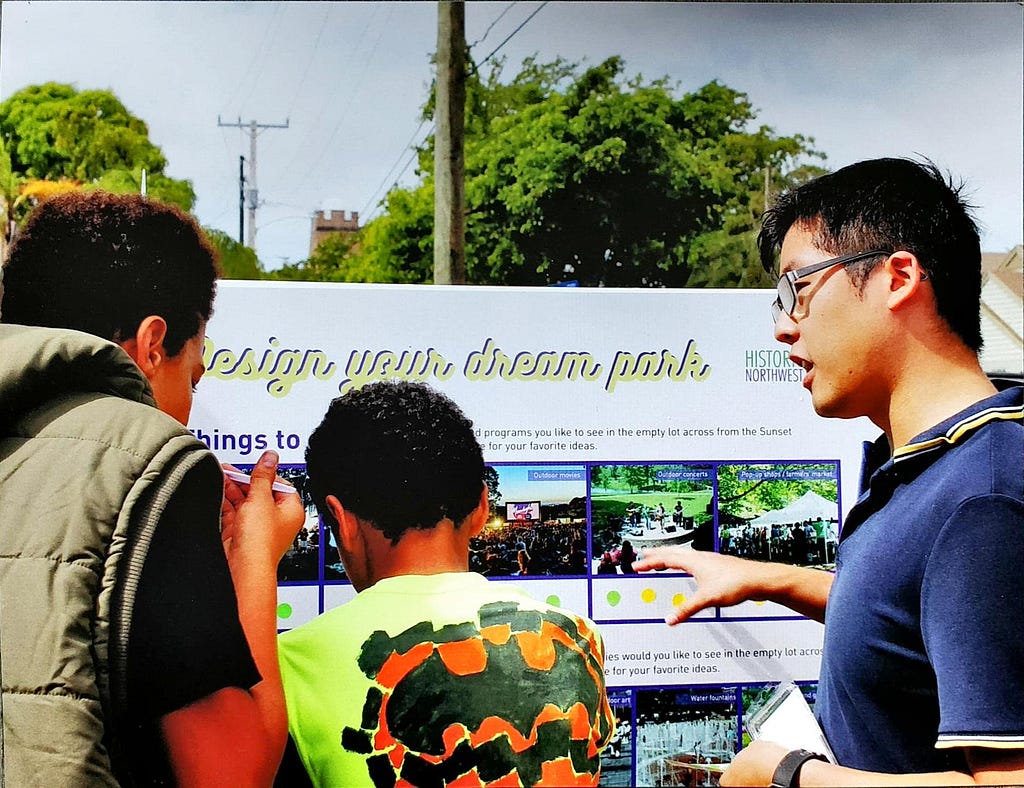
<point x="186" y="641"/>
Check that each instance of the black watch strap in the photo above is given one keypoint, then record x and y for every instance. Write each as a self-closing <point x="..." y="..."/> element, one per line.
<point x="787" y="773"/>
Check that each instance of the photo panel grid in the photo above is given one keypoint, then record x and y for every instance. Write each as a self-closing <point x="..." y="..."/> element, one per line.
<point x="302" y="560"/>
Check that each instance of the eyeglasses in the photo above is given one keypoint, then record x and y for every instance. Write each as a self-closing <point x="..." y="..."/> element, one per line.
<point x="785" y="301"/>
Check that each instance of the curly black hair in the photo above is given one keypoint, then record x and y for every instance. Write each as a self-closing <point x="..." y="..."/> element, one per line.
<point x="101" y="263"/>
<point x="399" y="455"/>
<point x="892" y="204"/>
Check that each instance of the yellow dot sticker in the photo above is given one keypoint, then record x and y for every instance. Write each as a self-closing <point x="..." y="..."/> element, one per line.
<point x="648" y="595"/>
<point x="678" y="599"/>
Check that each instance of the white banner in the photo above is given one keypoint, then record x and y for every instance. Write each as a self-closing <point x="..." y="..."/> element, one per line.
<point x="625" y="418"/>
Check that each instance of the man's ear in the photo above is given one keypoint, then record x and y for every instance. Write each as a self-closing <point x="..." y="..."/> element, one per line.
<point x="347" y="529"/>
<point x="905" y="276"/>
<point x="146" y="348"/>
<point x="478" y="517"/>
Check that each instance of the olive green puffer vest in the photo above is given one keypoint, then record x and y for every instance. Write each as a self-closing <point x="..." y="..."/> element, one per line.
<point x="87" y="464"/>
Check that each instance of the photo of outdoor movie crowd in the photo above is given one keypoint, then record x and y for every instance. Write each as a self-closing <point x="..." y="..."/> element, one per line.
<point x="537" y="524"/>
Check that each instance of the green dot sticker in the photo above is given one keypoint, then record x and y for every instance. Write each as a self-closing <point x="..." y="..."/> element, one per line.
<point x="614" y="597"/>
<point x="554" y="600"/>
<point x="284" y="610"/>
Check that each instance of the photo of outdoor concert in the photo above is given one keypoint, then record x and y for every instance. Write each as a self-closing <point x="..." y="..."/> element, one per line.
<point x="637" y="506"/>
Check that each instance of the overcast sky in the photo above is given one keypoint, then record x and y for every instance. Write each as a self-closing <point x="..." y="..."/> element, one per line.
<point x="864" y="80"/>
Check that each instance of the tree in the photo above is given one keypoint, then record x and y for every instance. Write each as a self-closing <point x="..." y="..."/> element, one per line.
<point x="52" y="132"/>
<point x="585" y="176"/>
<point x="740" y="498"/>
<point x="492" y="480"/>
<point x="331" y="261"/>
<point x="237" y="261"/>
<point x="10" y="186"/>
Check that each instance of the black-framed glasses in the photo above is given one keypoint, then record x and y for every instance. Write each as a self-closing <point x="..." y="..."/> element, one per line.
<point x="785" y="301"/>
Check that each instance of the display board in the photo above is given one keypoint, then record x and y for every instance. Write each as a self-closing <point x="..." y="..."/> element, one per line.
<point x="612" y="420"/>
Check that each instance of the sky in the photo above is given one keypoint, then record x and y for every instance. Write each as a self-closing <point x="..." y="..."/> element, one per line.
<point x="514" y="483"/>
<point x="940" y="80"/>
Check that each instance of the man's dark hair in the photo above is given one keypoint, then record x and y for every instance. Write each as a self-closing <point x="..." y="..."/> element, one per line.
<point x="399" y="455"/>
<point x="892" y="205"/>
<point x="101" y="263"/>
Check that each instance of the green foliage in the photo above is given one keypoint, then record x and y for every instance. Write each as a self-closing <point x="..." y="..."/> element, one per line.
<point x="746" y="498"/>
<point x="581" y="175"/>
<point x="237" y="261"/>
<point x="53" y="132"/>
<point x="493" y="481"/>
<point x="10" y="183"/>
<point x="332" y="261"/>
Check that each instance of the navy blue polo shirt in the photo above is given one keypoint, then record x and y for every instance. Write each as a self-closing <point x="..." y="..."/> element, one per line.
<point x="924" y="627"/>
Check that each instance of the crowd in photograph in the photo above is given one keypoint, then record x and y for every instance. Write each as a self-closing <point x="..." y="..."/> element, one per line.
<point x="617" y="561"/>
<point x="301" y="561"/>
<point x="530" y="548"/>
<point x="793" y="543"/>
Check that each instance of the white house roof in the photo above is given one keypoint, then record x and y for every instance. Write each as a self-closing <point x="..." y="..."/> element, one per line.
<point x="1002" y="312"/>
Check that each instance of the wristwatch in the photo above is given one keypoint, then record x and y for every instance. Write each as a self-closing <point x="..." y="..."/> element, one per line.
<point x="787" y="773"/>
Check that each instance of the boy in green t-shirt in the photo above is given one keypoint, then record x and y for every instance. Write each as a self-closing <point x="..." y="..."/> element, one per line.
<point x="432" y="674"/>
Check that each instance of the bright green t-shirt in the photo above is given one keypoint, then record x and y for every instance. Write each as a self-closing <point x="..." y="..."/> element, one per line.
<point x="432" y="679"/>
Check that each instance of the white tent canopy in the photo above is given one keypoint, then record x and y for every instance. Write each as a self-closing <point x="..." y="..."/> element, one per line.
<point x="809" y="506"/>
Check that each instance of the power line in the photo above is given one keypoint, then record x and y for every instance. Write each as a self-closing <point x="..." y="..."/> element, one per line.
<point x="332" y="100"/>
<point x="475" y="67"/>
<point x="309" y="60"/>
<point x="387" y="175"/>
<point x="357" y="81"/>
<point x="510" y="35"/>
<point x="268" y="34"/>
<point x="497" y="19"/>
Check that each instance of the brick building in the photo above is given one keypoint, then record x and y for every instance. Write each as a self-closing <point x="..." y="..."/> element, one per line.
<point x="330" y="223"/>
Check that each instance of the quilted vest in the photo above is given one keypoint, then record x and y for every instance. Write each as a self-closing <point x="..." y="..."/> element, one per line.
<point x="87" y="465"/>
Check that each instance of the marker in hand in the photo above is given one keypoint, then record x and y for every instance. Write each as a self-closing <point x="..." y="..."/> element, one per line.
<point x="244" y="479"/>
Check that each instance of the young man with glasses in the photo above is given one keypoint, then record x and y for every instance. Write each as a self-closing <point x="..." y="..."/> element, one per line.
<point x="922" y="673"/>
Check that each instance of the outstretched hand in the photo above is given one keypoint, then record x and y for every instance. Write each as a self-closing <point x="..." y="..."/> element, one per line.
<point x="722" y="580"/>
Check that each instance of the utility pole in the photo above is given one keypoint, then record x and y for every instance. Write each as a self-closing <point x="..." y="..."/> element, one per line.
<point x="241" y="197"/>
<point x="254" y="128"/>
<point x="449" y="165"/>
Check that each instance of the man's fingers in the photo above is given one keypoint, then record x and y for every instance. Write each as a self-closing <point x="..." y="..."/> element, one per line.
<point x="663" y="558"/>
<point x="692" y="605"/>
<point x="264" y="471"/>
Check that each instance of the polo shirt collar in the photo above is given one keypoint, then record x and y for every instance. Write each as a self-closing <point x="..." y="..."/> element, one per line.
<point x="1007" y="405"/>
<point x="882" y="472"/>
